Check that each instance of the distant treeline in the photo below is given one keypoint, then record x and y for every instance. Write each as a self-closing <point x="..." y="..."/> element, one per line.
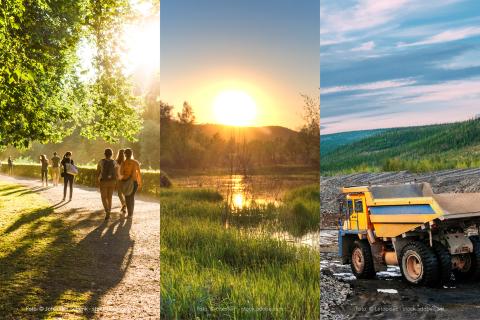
<point x="416" y="149"/>
<point x="184" y="145"/>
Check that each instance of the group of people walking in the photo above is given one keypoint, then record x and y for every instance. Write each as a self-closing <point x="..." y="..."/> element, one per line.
<point x="55" y="169"/>
<point x="122" y="173"/>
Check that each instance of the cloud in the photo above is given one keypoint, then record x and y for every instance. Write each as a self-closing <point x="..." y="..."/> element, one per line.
<point x="468" y="59"/>
<point x="364" y="15"/>
<point x="338" y="18"/>
<point x="366" y="46"/>
<point x="369" y="86"/>
<point x="449" y="91"/>
<point x="445" y="36"/>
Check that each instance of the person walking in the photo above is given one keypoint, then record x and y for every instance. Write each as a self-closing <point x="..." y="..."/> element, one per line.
<point x="107" y="178"/>
<point x="119" y="160"/>
<point x="55" y="169"/>
<point x="67" y="175"/>
<point x="44" y="163"/>
<point x="10" y="166"/>
<point x="130" y="169"/>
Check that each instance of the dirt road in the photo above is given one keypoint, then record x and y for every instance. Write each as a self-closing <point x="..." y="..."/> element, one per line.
<point x="387" y="296"/>
<point x="125" y="277"/>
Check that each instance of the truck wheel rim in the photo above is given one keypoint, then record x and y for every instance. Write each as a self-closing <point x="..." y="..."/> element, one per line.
<point x="357" y="258"/>
<point x="463" y="263"/>
<point x="413" y="266"/>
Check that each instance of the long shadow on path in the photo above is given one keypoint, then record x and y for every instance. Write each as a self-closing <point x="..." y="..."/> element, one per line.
<point x="46" y="273"/>
<point x="99" y="264"/>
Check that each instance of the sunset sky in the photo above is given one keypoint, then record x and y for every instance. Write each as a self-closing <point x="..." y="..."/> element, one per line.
<point x="265" y="49"/>
<point x="398" y="63"/>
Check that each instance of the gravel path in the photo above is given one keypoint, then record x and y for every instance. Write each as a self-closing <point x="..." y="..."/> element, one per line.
<point x="125" y="275"/>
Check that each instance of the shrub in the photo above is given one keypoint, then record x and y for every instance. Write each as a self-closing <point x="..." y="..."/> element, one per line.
<point x="87" y="176"/>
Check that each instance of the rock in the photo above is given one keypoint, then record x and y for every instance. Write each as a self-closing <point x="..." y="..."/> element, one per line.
<point x="333" y="293"/>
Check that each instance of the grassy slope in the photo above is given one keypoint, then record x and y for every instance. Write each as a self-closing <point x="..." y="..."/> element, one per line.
<point x="210" y="271"/>
<point x="425" y="148"/>
<point x="39" y="260"/>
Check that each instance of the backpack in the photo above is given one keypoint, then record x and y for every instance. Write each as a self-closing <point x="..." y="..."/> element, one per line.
<point x="108" y="170"/>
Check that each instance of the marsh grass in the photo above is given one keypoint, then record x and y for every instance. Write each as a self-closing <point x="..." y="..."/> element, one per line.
<point x="209" y="271"/>
<point x="300" y="213"/>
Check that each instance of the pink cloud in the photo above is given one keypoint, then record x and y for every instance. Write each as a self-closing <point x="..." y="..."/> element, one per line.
<point x="446" y="36"/>
<point x="370" y="86"/>
<point x="366" y="46"/>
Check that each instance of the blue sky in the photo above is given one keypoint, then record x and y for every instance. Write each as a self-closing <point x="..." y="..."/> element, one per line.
<point x="398" y="63"/>
<point x="268" y="48"/>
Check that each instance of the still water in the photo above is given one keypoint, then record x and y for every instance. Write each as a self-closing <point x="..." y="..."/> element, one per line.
<point x="244" y="192"/>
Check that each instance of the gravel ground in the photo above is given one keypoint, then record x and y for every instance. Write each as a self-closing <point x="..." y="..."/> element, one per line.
<point x="333" y="293"/>
<point x="388" y="297"/>
<point x="126" y="273"/>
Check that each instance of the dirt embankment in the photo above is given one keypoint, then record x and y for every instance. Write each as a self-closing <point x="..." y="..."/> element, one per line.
<point x="467" y="180"/>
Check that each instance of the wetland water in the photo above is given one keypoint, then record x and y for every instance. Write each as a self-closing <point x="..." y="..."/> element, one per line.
<point x="256" y="190"/>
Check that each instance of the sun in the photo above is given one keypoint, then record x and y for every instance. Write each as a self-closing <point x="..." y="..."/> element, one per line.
<point x="234" y="108"/>
<point x="142" y="46"/>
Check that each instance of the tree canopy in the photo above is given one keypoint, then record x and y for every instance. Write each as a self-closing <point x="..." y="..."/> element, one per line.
<point x="42" y="95"/>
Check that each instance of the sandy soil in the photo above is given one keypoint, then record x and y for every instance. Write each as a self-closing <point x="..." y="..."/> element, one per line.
<point x="126" y="276"/>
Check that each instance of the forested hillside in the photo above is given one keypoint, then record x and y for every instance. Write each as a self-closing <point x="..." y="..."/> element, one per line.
<point x="330" y="142"/>
<point x="418" y="149"/>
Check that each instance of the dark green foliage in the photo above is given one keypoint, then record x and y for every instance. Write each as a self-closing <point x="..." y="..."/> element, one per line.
<point x="417" y="149"/>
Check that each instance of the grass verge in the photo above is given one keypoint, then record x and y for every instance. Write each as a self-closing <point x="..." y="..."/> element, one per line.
<point x="46" y="271"/>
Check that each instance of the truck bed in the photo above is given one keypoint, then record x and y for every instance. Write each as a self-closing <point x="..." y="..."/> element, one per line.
<point x="458" y="205"/>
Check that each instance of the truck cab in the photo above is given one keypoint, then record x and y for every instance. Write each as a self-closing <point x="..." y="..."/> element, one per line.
<point x="354" y="211"/>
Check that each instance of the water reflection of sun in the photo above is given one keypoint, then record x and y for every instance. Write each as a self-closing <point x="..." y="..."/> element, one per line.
<point x="238" y="200"/>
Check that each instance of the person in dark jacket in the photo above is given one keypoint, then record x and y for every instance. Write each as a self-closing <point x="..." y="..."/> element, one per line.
<point x="67" y="177"/>
<point x="55" y="169"/>
<point x="44" y="163"/>
<point x="107" y="179"/>
<point x="10" y="166"/>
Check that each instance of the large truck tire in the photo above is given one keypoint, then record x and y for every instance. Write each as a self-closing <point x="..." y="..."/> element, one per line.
<point x="362" y="261"/>
<point x="444" y="262"/>
<point x="419" y="264"/>
<point x="472" y="272"/>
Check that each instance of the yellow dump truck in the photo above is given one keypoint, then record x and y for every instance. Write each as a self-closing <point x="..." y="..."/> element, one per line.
<point x="429" y="236"/>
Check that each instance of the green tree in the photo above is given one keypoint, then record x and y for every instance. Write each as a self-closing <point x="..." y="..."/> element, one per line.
<point x="310" y="132"/>
<point x="41" y="95"/>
